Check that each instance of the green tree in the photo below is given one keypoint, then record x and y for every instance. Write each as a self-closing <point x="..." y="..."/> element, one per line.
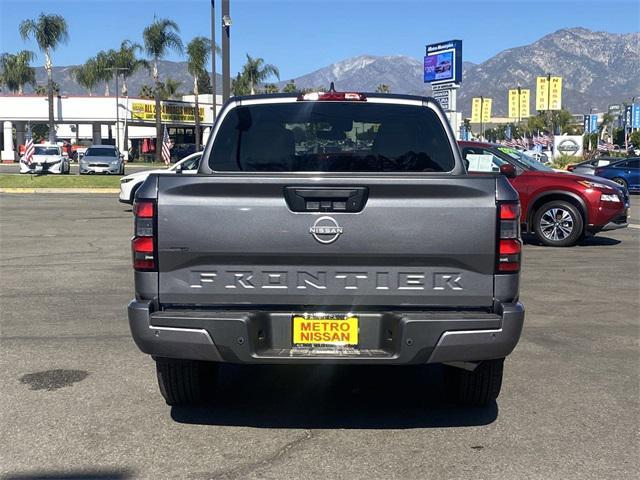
<point x="17" y="70"/>
<point x="104" y="62"/>
<point x="147" y="91"/>
<point x="240" y="85"/>
<point x="198" y="51"/>
<point x="49" y="31"/>
<point x="634" y="138"/>
<point x="271" y="88"/>
<point x="383" y="88"/>
<point x="255" y="71"/>
<point x="170" y="88"/>
<point x="86" y="75"/>
<point x="43" y="90"/>
<point x="290" y="87"/>
<point x="159" y="38"/>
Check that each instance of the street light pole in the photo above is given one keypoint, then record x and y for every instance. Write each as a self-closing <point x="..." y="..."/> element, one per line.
<point x="213" y="56"/>
<point x="481" y="118"/>
<point x="226" y="68"/>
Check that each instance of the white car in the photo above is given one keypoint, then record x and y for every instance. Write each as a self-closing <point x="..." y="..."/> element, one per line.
<point x="46" y="159"/>
<point x="131" y="183"/>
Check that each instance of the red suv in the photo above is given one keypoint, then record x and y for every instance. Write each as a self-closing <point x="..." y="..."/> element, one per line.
<point x="558" y="207"/>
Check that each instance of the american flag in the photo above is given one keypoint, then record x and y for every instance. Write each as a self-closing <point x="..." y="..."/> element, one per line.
<point x="166" y="152"/>
<point x="28" y="148"/>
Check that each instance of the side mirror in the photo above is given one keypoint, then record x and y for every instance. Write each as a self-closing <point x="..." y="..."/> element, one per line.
<point x="179" y="169"/>
<point x="508" y="170"/>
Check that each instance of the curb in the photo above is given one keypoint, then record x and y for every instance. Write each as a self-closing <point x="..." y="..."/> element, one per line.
<point x="59" y="190"/>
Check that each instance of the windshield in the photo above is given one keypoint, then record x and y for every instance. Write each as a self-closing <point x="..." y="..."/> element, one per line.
<point x="46" y="151"/>
<point x="100" y="152"/>
<point x="525" y="159"/>
<point x="332" y="137"/>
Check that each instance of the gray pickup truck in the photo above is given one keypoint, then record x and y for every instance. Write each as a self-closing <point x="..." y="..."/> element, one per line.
<point x="327" y="228"/>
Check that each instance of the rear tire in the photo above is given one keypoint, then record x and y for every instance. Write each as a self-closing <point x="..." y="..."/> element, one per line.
<point x="477" y="388"/>
<point x="558" y="223"/>
<point x="622" y="182"/>
<point x="186" y="382"/>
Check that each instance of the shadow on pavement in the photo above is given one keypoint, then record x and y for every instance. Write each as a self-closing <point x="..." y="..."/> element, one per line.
<point x="71" y="475"/>
<point x="318" y="397"/>
<point x="588" y="241"/>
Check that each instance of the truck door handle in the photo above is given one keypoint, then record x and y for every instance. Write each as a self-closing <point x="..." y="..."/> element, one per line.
<point x="322" y="199"/>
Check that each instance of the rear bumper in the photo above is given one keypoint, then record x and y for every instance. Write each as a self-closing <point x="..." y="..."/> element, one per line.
<point x="386" y="338"/>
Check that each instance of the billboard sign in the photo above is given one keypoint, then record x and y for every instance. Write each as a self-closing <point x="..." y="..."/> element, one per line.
<point x="443" y="62"/>
<point x="635" y="116"/>
<point x="443" y="96"/>
<point x="627" y="116"/>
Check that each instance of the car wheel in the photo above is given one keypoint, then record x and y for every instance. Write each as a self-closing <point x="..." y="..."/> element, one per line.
<point x="622" y="182"/>
<point x="474" y="388"/>
<point x="558" y="224"/>
<point x="186" y="382"/>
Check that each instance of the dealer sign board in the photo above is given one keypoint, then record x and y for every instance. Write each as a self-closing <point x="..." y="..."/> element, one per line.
<point x="567" y="145"/>
<point x="171" y="112"/>
<point x="443" y="62"/>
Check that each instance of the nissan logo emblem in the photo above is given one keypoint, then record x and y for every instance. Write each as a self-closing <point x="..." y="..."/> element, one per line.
<point x="325" y="230"/>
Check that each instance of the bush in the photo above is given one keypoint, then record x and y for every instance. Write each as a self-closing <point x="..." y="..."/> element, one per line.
<point x="562" y="161"/>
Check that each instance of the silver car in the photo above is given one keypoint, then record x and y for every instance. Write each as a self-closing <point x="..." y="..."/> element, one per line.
<point x="589" y="167"/>
<point x="102" y="159"/>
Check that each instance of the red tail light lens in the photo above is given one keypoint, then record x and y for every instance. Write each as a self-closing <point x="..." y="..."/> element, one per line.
<point x="509" y="244"/>
<point x="143" y="244"/>
<point x="143" y="209"/>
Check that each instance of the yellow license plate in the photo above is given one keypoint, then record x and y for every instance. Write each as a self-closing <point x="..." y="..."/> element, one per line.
<point x="325" y="330"/>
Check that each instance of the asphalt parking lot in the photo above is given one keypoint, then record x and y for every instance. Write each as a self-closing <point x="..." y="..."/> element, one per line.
<point x="78" y="400"/>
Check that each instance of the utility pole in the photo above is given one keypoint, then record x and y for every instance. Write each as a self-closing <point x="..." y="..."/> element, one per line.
<point x="226" y="68"/>
<point x="481" y="118"/>
<point x="549" y="118"/>
<point x="213" y="57"/>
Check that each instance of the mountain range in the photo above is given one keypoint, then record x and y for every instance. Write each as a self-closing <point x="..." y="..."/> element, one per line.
<point x="598" y="69"/>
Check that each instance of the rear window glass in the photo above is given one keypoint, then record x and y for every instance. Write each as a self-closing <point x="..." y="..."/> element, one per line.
<point x="100" y="152"/>
<point x="331" y="137"/>
<point x="46" y="151"/>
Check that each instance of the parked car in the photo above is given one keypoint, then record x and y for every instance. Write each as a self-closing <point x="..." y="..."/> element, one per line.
<point x="102" y="159"/>
<point x="129" y="185"/>
<point x="272" y="254"/>
<point x="541" y="157"/>
<point x="46" y="159"/>
<point x="625" y="172"/>
<point x="588" y="167"/>
<point x="558" y="207"/>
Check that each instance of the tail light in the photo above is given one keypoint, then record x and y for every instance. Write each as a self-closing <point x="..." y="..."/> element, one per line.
<point x="143" y="243"/>
<point x="509" y="243"/>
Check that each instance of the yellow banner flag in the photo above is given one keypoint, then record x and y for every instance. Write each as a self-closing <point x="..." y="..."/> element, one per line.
<point x="555" y="93"/>
<point x="486" y="110"/>
<point x="475" y="109"/>
<point x="542" y="94"/>
<point x="514" y="103"/>
<point x="524" y="103"/>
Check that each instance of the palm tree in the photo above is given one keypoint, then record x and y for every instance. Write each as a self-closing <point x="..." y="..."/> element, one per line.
<point x="127" y="63"/>
<point x="49" y="31"/>
<point x="290" y="87"/>
<point x="198" y="51"/>
<point x="17" y="71"/>
<point x="271" y="88"/>
<point x="146" y="91"/>
<point x="104" y="63"/>
<point x="240" y="85"/>
<point x="256" y="71"/>
<point x="160" y="37"/>
<point x="383" y="88"/>
<point x="86" y="75"/>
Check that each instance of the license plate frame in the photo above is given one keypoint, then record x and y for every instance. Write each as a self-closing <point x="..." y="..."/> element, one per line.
<point x="325" y="330"/>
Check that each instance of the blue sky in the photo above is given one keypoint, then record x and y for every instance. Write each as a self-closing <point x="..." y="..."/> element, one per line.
<point x="304" y="35"/>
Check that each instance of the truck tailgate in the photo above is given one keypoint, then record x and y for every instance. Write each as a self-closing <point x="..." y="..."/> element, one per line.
<point x="415" y="241"/>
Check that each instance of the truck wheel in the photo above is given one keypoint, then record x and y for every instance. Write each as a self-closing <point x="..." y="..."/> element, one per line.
<point x="477" y="388"/>
<point x="558" y="224"/>
<point x="186" y="382"/>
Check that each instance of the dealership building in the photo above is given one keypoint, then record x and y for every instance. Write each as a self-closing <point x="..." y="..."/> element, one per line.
<point x="97" y="120"/>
